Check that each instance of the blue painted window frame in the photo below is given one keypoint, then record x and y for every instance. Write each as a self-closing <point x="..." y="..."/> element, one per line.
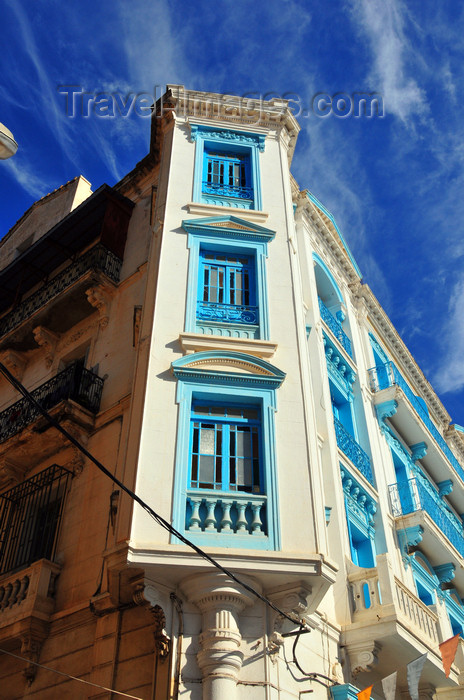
<point x="455" y="610"/>
<point x="360" y="525"/>
<point x="232" y="295"/>
<point x="228" y="142"/>
<point x="206" y="235"/>
<point x="206" y="416"/>
<point x="426" y="582"/>
<point x="237" y="390"/>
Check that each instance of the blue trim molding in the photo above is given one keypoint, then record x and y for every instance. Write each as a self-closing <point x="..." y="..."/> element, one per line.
<point x="227" y="234"/>
<point x="344" y="692"/>
<point x="246" y="143"/>
<point x="198" y="382"/>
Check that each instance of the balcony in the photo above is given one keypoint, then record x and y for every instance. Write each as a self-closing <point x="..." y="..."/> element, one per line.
<point x="415" y="502"/>
<point x="47" y="307"/>
<point x="390" y="627"/>
<point x="227" y="190"/>
<point x="27" y="602"/>
<point x="335" y="327"/>
<point x="410" y="417"/>
<point x="353" y="451"/>
<point x="227" y="313"/>
<point x="220" y="516"/>
<point x="72" y="396"/>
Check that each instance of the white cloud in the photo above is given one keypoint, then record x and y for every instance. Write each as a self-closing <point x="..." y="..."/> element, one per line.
<point x="382" y="22"/>
<point x="450" y="375"/>
<point x="33" y="184"/>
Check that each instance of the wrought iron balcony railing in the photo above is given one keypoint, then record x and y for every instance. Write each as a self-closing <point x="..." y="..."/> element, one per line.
<point x="353" y="451"/>
<point x="75" y="382"/>
<point x="227" y="313"/>
<point x="336" y="327"/>
<point x="97" y="258"/>
<point x="219" y="189"/>
<point x="418" y="494"/>
<point x="386" y="375"/>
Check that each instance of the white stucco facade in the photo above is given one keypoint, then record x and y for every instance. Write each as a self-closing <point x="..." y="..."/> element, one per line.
<point x="323" y="477"/>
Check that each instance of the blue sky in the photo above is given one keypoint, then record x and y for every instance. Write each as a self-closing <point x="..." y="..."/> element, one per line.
<point x="394" y="184"/>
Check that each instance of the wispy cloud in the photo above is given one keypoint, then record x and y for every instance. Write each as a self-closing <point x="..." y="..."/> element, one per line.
<point x="383" y="22"/>
<point x="29" y="181"/>
<point x="450" y="375"/>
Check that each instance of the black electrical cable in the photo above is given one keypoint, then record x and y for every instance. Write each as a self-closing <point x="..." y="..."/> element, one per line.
<point x="158" y="518"/>
<point x="313" y="675"/>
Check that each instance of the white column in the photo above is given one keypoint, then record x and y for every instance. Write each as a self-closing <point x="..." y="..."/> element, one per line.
<point x="220" y="601"/>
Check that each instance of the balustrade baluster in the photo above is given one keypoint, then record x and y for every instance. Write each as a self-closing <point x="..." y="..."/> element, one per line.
<point x="210" y="520"/>
<point x="23" y="589"/>
<point x="242" y="524"/>
<point x="256" y="525"/>
<point x="14" y="593"/>
<point x="226" y="522"/>
<point x="7" y="594"/>
<point x="195" y="521"/>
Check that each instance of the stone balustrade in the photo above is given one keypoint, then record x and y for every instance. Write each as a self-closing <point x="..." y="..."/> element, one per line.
<point x="227" y="513"/>
<point x="377" y="593"/>
<point x="29" y="591"/>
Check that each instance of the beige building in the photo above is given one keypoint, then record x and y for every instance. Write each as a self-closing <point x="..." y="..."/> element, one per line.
<point x="202" y="329"/>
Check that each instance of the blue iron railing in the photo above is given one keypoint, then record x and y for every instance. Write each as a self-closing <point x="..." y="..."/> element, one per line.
<point x="336" y="327"/>
<point x="418" y="494"/>
<point x="387" y="375"/>
<point x="224" y="190"/>
<point x="353" y="451"/>
<point x="75" y="382"/>
<point x="227" y="313"/>
<point x="96" y="258"/>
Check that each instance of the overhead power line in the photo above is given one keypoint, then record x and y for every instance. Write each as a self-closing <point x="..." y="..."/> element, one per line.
<point x="158" y="518"/>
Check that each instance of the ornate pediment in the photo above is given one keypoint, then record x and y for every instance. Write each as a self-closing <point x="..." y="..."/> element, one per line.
<point x="227" y="367"/>
<point x="228" y="226"/>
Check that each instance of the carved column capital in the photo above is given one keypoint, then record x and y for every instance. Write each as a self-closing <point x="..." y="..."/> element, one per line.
<point x="220" y="601"/>
<point x="100" y="298"/>
<point x="48" y="340"/>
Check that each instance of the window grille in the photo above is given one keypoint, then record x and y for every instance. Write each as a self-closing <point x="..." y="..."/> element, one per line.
<point x="30" y="516"/>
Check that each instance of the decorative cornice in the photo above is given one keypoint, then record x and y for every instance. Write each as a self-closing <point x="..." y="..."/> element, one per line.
<point x="236" y="137"/>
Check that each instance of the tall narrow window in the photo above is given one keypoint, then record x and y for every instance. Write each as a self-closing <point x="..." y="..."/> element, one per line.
<point x="30" y="515"/>
<point x="225" y="451"/>
<point x="226" y="291"/>
<point x="227" y="174"/>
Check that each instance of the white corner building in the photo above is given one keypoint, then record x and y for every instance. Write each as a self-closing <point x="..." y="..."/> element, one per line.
<point x="273" y="415"/>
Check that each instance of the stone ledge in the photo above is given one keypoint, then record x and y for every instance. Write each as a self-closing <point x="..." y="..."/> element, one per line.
<point x="196" y="342"/>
